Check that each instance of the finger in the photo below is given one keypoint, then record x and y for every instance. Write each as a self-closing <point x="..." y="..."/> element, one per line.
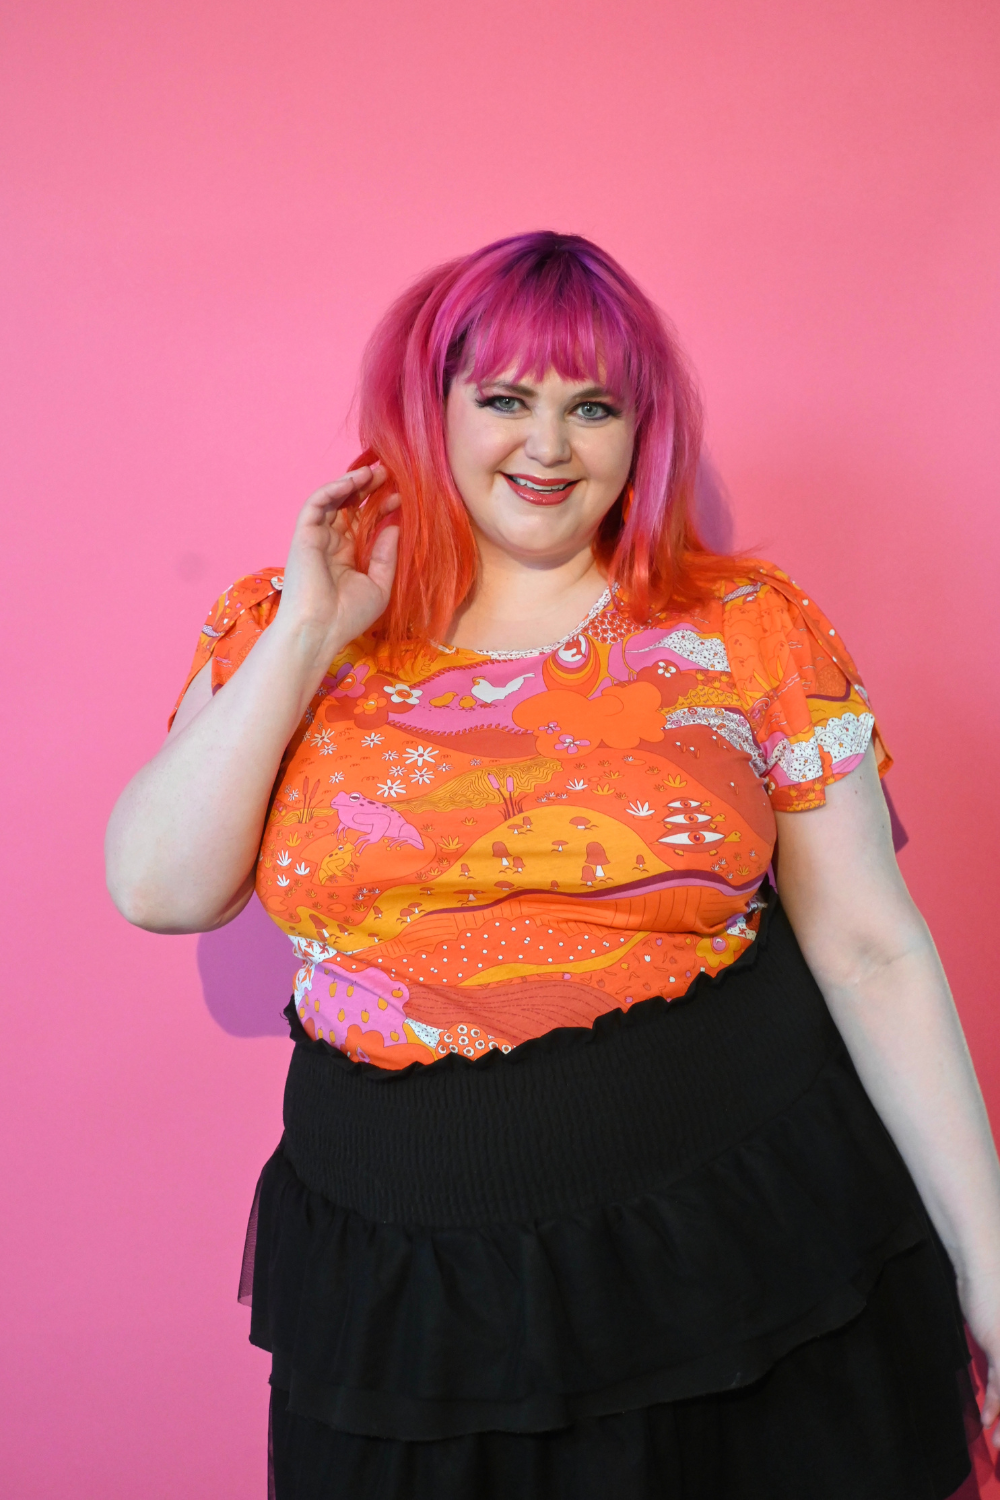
<point x="990" y="1407"/>
<point x="991" y="1403"/>
<point x="382" y="563"/>
<point x="355" y="482"/>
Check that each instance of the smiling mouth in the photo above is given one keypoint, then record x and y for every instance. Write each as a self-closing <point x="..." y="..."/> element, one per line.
<point x="540" y="491"/>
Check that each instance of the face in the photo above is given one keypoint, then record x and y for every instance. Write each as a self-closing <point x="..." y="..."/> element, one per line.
<point x="539" y="463"/>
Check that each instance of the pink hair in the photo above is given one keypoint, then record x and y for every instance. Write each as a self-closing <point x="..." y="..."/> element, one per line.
<point x="529" y="304"/>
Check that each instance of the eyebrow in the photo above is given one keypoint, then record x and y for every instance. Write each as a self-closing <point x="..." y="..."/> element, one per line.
<point x="590" y="392"/>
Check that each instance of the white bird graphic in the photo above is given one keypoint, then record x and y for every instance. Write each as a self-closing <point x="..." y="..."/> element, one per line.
<point x="487" y="693"/>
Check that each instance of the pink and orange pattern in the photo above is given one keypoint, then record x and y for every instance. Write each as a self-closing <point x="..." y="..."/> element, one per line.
<point x="467" y="852"/>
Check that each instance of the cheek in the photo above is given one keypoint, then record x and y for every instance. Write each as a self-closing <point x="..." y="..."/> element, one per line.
<point x="610" y="456"/>
<point x="475" y="448"/>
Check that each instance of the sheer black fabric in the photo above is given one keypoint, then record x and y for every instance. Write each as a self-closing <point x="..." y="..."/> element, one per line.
<point x="677" y="1249"/>
<point x="867" y="1412"/>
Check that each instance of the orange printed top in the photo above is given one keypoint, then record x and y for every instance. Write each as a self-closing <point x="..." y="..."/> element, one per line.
<point x="468" y="848"/>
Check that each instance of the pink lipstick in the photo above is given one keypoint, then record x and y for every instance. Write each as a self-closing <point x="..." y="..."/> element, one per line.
<point x="540" y="491"/>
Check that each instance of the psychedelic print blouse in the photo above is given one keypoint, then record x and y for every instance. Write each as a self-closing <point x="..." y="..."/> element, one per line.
<point x="469" y="849"/>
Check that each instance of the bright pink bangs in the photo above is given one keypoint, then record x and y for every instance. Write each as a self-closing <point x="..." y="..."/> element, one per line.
<point x="526" y="305"/>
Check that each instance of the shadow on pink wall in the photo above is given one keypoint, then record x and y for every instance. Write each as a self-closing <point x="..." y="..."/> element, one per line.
<point x="246" y="972"/>
<point x="247" y="968"/>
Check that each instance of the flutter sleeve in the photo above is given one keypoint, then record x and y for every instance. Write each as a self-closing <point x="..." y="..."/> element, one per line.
<point x="235" y="623"/>
<point x="807" y="706"/>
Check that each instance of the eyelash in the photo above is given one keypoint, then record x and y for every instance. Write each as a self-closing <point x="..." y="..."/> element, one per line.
<point x="607" y="410"/>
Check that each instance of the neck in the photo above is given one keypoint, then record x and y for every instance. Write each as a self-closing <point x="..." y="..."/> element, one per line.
<point x="517" y="605"/>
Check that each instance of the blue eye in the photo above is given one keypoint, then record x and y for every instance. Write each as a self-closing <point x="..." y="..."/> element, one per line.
<point x="594" y="411"/>
<point x="505" y="404"/>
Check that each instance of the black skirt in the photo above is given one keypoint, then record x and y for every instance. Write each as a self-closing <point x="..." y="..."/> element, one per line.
<point x="672" y="1255"/>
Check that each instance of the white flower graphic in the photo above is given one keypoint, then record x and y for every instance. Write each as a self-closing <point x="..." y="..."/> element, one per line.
<point x="389" y="755"/>
<point x="284" y="858"/>
<point x="400" y="693"/>
<point x="283" y="880"/>
<point x="322" y="737"/>
<point x="371" y="739"/>
<point x="576" y="786"/>
<point x="391" y="788"/>
<point x="337" y="776"/>
<point x="640" y="809"/>
<point x="292" y="793"/>
<point x="446" y="768"/>
<point x="423" y="777"/>
<point x="327" y="749"/>
<point x="301" y="868"/>
<point x="418" y="755"/>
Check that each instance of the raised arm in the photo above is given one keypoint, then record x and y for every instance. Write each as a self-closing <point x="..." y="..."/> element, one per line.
<point x="183" y="837"/>
<point x="876" y="964"/>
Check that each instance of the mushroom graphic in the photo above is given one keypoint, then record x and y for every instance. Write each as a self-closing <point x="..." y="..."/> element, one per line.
<point x="518" y="863"/>
<point x="503" y="885"/>
<point x="587" y="874"/>
<point x="553" y="885"/>
<point x="500" y="853"/>
<point x="465" y="872"/>
<point x="474" y="895"/>
<point x="559" y="845"/>
<point x="598" y="858"/>
<point x="640" y="863"/>
<point x="581" y="823"/>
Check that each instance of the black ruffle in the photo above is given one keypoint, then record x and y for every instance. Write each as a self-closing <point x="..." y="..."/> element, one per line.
<point x="414" y="1333"/>
<point x="600" y="1228"/>
<point x="871" y="1411"/>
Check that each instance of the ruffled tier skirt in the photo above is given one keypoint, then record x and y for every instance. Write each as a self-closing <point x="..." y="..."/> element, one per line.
<point x="672" y="1255"/>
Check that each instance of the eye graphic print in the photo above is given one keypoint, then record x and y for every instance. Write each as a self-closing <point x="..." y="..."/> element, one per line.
<point x="696" y="836"/>
<point x="690" y="817"/>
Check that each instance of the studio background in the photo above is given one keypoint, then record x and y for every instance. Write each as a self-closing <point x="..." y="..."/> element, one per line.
<point x="207" y="206"/>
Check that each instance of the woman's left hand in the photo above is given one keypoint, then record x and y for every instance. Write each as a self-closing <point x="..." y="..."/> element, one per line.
<point x="979" y="1294"/>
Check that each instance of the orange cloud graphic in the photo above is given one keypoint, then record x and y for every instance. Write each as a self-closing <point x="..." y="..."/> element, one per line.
<point x="566" y="723"/>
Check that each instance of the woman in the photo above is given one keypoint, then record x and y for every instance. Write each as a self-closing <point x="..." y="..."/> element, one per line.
<point x="579" y="1193"/>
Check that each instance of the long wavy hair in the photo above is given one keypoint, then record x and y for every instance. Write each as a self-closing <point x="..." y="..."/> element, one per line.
<point x="528" y="304"/>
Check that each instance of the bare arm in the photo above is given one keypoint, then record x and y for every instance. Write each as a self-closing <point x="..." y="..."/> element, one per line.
<point x="183" y="838"/>
<point x="876" y="964"/>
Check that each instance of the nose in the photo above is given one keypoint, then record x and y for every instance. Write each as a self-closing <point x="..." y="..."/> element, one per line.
<point x="548" y="441"/>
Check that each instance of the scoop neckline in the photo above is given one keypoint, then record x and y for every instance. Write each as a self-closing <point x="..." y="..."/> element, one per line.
<point x="597" y="608"/>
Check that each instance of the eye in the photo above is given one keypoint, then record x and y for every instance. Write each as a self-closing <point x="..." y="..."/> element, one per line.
<point x="594" y="411"/>
<point x="505" y="404"/>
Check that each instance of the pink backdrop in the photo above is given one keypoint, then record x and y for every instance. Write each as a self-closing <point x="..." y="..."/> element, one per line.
<point x="211" y="202"/>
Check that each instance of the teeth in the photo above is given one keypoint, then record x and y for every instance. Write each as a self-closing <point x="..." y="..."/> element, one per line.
<point x="544" y="489"/>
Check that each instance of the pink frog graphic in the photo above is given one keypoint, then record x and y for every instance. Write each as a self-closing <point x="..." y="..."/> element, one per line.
<point x="374" y="821"/>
